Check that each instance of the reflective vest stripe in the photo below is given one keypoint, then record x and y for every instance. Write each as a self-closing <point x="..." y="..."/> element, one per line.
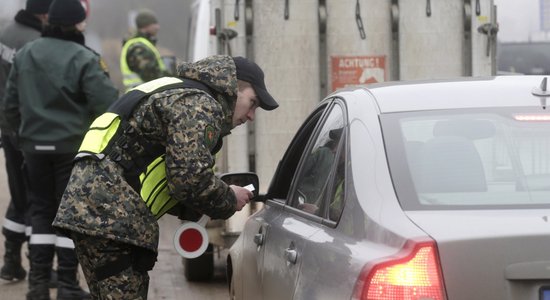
<point x="154" y="189"/>
<point x="14" y="226"/>
<point x="152" y="85"/>
<point x="63" y="242"/>
<point x="151" y="174"/>
<point x="43" y="239"/>
<point x="100" y="133"/>
<point x="131" y="79"/>
<point x="169" y="205"/>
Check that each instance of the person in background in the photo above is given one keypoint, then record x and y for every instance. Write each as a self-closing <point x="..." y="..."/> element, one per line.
<point x="180" y="120"/>
<point x="26" y="26"/>
<point x="56" y="87"/>
<point x="140" y="60"/>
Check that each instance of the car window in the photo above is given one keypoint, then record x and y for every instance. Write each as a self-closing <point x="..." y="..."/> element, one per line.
<point x="337" y="191"/>
<point x="465" y="159"/>
<point x="318" y="167"/>
<point x="280" y="185"/>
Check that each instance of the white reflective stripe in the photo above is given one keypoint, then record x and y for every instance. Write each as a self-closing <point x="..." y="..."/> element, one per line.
<point x="7" y="53"/>
<point x="44" y="147"/>
<point x="13" y="226"/>
<point x="152" y="85"/>
<point x="43" y="239"/>
<point x="63" y="242"/>
<point x="99" y="156"/>
<point x="28" y="231"/>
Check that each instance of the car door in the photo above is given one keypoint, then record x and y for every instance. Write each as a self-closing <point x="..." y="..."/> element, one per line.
<point x="301" y="214"/>
<point x="257" y="230"/>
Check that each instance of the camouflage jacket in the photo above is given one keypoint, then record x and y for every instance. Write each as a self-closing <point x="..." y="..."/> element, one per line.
<point x="98" y="201"/>
<point x="144" y="62"/>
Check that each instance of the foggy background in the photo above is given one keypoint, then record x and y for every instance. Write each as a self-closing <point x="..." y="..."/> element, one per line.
<point x="110" y="22"/>
<point x="519" y="20"/>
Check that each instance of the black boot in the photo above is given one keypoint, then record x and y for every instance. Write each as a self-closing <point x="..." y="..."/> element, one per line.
<point x="12" y="269"/>
<point x="52" y="284"/>
<point x="68" y="287"/>
<point x="39" y="277"/>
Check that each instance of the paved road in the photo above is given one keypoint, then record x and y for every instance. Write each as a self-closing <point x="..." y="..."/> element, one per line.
<point x="167" y="279"/>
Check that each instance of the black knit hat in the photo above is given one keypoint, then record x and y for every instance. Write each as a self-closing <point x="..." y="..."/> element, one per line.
<point x="250" y="72"/>
<point x="66" y="12"/>
<point x="38" y="7"/>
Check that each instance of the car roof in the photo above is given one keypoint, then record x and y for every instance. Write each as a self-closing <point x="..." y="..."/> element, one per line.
<point x="474" y="92"/>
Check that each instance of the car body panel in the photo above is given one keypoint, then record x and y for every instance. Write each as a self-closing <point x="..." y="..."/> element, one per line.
<point x="483" y="253"/>
<point x="478" y="92"/>
<point x="280" y="272"/>
<point x="248" y="252"/>
<point x="499" y="240"/>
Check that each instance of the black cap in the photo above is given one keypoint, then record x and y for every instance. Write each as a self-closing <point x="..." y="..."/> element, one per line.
<point x="66" y="12"/>
<point x="38" y="7"/>
<point x="250" y="72"/>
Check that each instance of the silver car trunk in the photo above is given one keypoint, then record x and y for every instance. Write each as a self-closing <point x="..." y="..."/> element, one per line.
<point x="491" y="254"/>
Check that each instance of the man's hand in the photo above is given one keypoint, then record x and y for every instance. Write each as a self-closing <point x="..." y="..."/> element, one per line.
<point x="242" y="194"/>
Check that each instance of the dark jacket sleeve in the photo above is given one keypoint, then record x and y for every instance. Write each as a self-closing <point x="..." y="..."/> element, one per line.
<point x="193" y="130"/>
<point x="10" y="117"/>
<point x="97" y="87"/>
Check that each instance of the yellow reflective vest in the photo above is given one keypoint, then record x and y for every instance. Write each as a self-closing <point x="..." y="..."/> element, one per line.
<point x="108" y="129"/>
<point x="132" y="79"/>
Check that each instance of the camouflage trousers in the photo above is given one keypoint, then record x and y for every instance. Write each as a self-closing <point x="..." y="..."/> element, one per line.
<point x="99" y="258"/>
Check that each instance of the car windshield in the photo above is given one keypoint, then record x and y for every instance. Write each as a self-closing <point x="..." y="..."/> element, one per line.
<point x="469" y="159"/>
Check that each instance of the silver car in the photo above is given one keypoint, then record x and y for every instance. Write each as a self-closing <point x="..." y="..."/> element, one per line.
<point x="422" y="190"/>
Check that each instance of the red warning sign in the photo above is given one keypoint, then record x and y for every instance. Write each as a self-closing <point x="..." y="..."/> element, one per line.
<point x="191" y="239"/>
<point x="352" y="70"/>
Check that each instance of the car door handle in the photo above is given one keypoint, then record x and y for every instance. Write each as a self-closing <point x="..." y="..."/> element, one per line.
<point x="291" y="255"/>
<point x="259" y="239"/>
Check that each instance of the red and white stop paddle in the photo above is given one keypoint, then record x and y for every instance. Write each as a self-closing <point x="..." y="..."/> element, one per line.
<point x="191" y="239"/>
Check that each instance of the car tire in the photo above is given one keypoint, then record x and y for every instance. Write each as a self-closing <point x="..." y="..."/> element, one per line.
<point x="200" y="268"/>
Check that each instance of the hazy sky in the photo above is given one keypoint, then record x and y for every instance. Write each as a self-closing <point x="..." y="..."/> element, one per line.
<point x="519" y="20"/>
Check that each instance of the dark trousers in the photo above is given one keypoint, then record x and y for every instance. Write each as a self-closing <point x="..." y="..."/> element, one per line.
<point x="48" y="175"/>
<point x="106" y="276"/>
<point x="17" y="215"/>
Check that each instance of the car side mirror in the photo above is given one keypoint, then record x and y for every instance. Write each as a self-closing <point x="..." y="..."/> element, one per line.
<point x="243" y="179"/>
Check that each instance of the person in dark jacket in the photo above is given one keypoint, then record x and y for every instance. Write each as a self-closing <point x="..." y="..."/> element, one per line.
<point x="179" y="119"/>
<point x="26" y="26"/>
<point x="56" y="87"/>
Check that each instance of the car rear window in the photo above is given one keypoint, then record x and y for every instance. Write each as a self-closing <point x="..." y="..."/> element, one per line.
<point x="469" y="159"/>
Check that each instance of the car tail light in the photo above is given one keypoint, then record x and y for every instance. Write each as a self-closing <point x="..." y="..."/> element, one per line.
<point x="414" y="273"/>
<point x="532" y="117"/>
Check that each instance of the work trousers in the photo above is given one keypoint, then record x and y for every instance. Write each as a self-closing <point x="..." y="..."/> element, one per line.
<point x="48" y="175"/>
<point x="106" y="276"/>
<point x="17" y="215"/>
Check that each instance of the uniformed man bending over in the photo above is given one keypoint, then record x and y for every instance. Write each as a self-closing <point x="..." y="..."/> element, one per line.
<point x="175" y="121"/>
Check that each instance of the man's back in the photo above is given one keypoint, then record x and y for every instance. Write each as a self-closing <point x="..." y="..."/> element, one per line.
<point x="24" y="29"/>
<point x="58" y="88"/>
